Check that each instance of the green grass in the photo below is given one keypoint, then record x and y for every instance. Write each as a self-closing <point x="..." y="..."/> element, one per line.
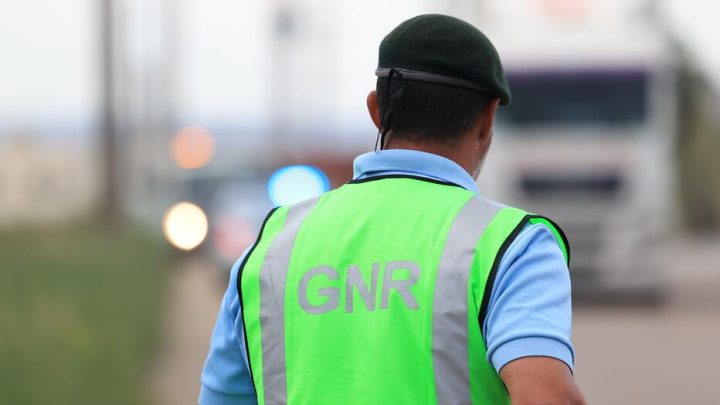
<point x="80" y="315"/>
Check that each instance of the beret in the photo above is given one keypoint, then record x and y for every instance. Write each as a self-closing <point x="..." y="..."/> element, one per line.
<point x="437" y="48"/>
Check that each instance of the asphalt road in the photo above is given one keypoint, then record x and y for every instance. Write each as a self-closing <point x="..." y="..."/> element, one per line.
<point x="194" y="299"/>
<point x="648" y="357"/>
<point x="667" y="354"/>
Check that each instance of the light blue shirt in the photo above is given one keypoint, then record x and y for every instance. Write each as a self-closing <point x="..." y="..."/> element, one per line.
<point x="529" y="312"/>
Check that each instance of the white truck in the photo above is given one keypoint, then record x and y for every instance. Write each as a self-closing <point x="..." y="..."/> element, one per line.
<point x="588" y="138"/>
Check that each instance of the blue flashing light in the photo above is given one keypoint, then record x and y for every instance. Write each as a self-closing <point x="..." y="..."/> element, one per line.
<point x="292" y="184"/>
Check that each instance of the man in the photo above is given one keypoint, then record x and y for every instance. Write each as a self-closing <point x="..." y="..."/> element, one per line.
<point x="404" y="286"/>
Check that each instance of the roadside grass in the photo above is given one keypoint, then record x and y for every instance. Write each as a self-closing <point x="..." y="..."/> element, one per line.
<point x="80" y="315"/>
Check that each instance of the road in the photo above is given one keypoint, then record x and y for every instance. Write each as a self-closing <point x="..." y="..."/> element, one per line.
<point x="194" y="299"/>
<point x="668" y="354"/>
<point x="664" y="355"/>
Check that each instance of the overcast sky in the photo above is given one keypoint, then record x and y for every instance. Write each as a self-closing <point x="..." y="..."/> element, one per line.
<point x="46" y="61"/>
<point x="48" y="76"/>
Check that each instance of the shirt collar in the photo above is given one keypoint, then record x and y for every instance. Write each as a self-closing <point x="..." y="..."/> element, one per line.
<point x="414" y="163"/>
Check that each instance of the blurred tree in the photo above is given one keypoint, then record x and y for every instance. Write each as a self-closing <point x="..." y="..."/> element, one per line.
<point x="699" y="147"/>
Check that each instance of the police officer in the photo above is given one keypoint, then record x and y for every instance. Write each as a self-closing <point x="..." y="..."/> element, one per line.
<point x="404" y="286"/>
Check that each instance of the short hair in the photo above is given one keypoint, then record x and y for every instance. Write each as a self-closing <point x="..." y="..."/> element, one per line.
<point x="428" y="112"/>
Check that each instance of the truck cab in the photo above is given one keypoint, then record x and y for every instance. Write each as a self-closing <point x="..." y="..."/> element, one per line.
<point x="588" y="137"/>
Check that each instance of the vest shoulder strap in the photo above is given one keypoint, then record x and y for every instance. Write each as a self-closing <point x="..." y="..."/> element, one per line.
<point x="511" y="222"/>
<point x="560" y="237"/>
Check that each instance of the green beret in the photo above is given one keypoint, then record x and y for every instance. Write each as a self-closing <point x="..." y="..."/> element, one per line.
<point x="441" y="49"/>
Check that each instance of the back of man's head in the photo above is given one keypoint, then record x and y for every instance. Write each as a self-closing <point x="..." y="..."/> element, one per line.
<point x="428" y="113"/>
<point x="436" y="74"/>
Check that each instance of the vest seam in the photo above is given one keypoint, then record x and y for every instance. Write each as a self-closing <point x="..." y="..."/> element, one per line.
<point x="240" y="296"/>
<point x="404" y="176"/>
<point x="489" y="284"/>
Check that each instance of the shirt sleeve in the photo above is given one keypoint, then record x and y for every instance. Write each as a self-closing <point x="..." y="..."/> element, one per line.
<point x="530" y="311"/>
<point x="225" y="377"/>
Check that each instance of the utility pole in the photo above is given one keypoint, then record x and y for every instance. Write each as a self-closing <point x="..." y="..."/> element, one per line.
<point x="284" y="31"/>
<point x="109" y="207"/>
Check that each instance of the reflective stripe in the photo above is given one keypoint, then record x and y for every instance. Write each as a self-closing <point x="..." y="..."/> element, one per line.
<point x="450" y="306"/>
<point x="273" y="275"/>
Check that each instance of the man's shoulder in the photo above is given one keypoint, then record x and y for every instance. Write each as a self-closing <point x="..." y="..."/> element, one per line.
<point x="527" y="227"/>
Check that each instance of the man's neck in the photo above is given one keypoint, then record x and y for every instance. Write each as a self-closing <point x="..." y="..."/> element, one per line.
<point x="455" y="154"/>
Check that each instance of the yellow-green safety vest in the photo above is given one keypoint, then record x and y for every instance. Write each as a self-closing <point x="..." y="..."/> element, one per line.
<point x="376" y="293"/>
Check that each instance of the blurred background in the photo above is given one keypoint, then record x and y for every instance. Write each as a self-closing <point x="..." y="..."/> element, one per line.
<point x="143" y="141"/>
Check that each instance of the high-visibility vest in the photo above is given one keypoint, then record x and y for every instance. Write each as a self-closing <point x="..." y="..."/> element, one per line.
<point x="376" y="293"/>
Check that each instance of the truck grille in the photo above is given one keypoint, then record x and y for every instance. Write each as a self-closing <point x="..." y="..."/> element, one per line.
<point x="584" y="242"/>
<point x="570" y="185"/>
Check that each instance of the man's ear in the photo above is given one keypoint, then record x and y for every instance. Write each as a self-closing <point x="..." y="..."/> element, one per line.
<point x="487" y="119"/>
<point x="373" y="109"/>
